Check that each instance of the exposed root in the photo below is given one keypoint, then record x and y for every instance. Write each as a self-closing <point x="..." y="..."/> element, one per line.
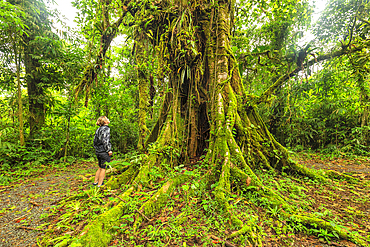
<point x="251" y="230"/>
<point x="239" y="141"/>
<point x="142" y="178"/>
<point x="302" y="170"/>
<point x="243" y="180"/>
<point x="124" y="178"/>
<point x="154" y="204"/>
<point x="338" y="175"/>
<point x="99" y="232"/>
<point x="319" y="223"/>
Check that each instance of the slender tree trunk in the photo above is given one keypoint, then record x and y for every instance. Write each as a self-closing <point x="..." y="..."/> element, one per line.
<point x="67" y="138"/>
<point x="34" y="89"/>
<point x="364" y="98"/>
<point x="106" y="93"/>
<point x="17" y="56"/>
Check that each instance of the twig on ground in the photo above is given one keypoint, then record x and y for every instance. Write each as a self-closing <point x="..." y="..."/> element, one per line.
<point x="34" y="204"/>
<point x="23" y="216"/>
<point x="57" y="201"/>
<point x="30" y="228"/>
<point x="142" y="215"/>
<point x="227" y="244"/>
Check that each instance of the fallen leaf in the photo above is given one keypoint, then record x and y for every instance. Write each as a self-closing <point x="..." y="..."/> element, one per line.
<point x="214" y="237"/>
<point x="19" y="220"/>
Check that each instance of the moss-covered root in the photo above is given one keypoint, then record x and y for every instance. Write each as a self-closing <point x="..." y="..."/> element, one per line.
<point x="321" y="175"/>
<point x="98" y="232"/>
<point x="154" y="204"/>
<point x="251" y="230"/>
<point x="319" y="223"/>
<point x="338" y="175"/>
<point x="306" y="171"/>
<point x="125" y="178"/>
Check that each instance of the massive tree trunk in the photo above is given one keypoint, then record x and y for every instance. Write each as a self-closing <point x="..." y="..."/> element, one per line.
<point x="205" y="113"/>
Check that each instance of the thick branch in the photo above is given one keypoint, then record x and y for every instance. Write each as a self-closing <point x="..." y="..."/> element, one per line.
<point x="107" y="36"/>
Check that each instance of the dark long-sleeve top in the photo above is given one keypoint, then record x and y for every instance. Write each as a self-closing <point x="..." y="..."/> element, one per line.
<point x="102" y="140"/>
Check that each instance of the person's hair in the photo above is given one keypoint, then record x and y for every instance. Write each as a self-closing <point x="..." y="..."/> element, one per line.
<point x="101" y="120"/>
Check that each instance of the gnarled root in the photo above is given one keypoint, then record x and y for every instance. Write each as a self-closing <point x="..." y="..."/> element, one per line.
<point x="125" y="178"/>
<point x="154" y="204"/>
<point x="99" y="232"/>
<point x="319" y="223"/>
<point x="251" y="230"/>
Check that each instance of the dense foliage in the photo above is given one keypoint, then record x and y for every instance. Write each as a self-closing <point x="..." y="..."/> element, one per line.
<point x="67" y="127"/>
<point x="323" y="107"/>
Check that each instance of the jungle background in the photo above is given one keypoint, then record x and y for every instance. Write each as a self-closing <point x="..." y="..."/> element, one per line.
<point x="48" y="119"/>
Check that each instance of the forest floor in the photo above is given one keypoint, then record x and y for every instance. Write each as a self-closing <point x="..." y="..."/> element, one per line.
<point x="29" y="210"/>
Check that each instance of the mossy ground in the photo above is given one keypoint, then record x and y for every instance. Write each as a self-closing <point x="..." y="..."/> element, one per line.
<point x="191" y="216"/>
<point x="195" y="220"/>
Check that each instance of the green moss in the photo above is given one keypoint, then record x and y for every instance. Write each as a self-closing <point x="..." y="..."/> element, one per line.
<point x="306" y="171"/>
<point x="124" y="178"/>
<point x="155" y="203"/>
<point x="142" y="179"/>
<point x="223" y="188"/>
<point x="251" y="230"/>
<point x="264" y="161"/>
<point x="99" y="232"/>
<point x="159" y="199"/>
<point x="242" y="178"/>
<point x="319" y="223"/>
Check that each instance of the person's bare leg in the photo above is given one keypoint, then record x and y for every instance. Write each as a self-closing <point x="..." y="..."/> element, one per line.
<point x="97" y="175"/>
<point x="101" y="176"/>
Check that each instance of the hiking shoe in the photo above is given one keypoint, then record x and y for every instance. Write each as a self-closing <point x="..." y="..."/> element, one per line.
<point x="101" y="185"/>
<point x="95" y="184"/>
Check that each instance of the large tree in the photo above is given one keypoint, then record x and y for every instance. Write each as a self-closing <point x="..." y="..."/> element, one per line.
<point x="35" y="48"/>
<point x="206" y="111"/>
<point x="12" y="29"/>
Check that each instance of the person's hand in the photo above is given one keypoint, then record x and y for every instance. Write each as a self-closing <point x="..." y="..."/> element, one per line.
<point x="110" y="153"/>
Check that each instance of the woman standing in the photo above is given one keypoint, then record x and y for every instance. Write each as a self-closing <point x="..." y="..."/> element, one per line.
<point x="103" y="148"/>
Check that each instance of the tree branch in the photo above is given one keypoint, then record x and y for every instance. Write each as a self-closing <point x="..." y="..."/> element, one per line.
<point x="91" y="72"/>
<point x="267" y="94"/>
<point x="367" y="22"/>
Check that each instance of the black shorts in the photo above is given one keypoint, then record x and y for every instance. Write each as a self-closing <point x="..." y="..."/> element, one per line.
<point x="103" y="158"/>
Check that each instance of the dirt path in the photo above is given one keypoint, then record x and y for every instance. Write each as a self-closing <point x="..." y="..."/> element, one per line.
<point x="24" y="204"/>
<point x="358" y="168"/>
